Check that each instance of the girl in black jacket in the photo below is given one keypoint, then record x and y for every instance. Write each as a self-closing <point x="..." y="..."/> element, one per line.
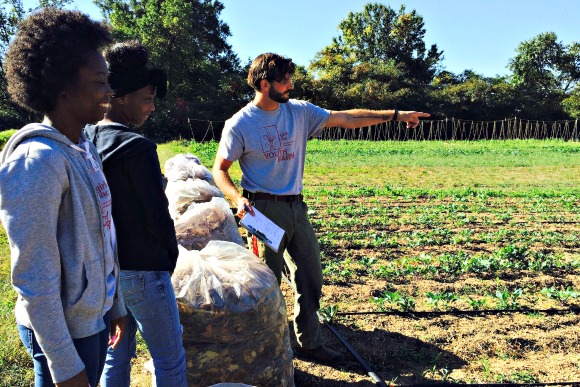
<point x="145" y="232"/>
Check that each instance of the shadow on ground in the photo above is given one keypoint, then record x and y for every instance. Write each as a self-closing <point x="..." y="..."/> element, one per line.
<point x="393" y="357"/>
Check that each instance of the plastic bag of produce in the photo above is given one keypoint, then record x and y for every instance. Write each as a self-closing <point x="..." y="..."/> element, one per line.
<point x="204" y="222"/>
<point x="186" y="166"/>
<point x="235" y="327"/>
<point x="182" y="193"/>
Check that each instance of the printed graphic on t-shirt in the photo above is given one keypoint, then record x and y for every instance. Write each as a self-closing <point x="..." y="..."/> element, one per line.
<point x="277" y="146"/>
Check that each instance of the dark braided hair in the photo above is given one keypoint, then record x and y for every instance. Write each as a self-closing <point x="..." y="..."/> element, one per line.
<point x="44" y="60"/>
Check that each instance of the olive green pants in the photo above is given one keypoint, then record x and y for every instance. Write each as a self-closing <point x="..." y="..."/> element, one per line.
<point x="302" y="261"/>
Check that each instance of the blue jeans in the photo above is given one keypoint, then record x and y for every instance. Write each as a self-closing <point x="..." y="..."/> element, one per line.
<point x="92" y="351"/>
<point x="151" y="308"/>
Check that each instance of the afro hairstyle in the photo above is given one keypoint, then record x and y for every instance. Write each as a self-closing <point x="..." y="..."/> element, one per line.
<point x="50" y="47"/>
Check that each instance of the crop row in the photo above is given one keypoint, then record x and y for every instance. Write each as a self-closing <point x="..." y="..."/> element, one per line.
<point x="501" y="299"/>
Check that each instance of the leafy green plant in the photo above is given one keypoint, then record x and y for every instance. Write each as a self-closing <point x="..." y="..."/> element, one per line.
<point x="562" y="295"/>
<point x="407" y="304"/>
<point x="445" y="374"/>
<point x="367" y="262"/>
<point x="508" y="300"/>
<point x="517" y="377"/>
<point x="328" y="313"/>
<point x="505" y="217"/>
<point x="340" y="269"/>
<point x="477" y="304"/>
<point x="512" y="256"/>
<point x="485" y="365"/>
<point x="389" y="300"/>
<point x="446" y="298"/>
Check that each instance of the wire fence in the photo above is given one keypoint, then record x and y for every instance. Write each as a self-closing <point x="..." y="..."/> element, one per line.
<point x="429" y="130"/>
<point x="453" y="129"/>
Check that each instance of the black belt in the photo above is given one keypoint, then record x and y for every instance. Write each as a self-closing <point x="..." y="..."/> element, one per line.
<point x="252" y="196"/>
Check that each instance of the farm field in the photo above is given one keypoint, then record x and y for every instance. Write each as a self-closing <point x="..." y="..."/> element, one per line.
<point x="443" y="261"/>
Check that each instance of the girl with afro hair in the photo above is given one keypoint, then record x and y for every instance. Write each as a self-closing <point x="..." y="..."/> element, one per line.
<point x="55" y="202"/>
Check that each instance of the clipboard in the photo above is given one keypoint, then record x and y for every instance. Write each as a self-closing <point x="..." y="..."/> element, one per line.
<point x="263" y="228"/>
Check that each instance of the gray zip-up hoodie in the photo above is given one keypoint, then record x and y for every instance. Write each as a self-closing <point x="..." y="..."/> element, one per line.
<point x="52" y="216"/>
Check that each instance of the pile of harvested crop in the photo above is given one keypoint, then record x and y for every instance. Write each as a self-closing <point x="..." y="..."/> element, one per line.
<point x="204" y="222"/>
<point x="235" y="327"/>
<point x="197" y="206"/>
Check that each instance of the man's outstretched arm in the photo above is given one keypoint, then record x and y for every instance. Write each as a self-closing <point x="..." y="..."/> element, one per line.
<point x="357" y="118"/>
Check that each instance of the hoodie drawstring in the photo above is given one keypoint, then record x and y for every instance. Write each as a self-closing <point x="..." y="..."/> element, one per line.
<point x="87" y="155"/>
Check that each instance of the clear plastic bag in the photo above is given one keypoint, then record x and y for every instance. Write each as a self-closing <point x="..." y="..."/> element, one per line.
<point x="204" y="222"/>
<point x="222" y="275"/>
<point x="235" y="327"/>
<point x="182" y="193"/>
<point x="186" y="166"/>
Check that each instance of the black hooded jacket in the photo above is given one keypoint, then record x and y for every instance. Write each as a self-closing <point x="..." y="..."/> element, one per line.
<point x="145" y="231"/>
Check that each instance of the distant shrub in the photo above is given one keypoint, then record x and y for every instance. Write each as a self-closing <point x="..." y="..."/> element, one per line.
<point x="5" y="135"/>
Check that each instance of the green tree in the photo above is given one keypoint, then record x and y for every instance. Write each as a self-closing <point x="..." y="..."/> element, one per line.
<point x="379" y="34"/>
<point x="379" y="59"/>
<point x="472" y="96"/>
<point x="545" y="71"/>
<point x="372" y="85"/>
<point x="188" y="40"/>
<point x="546" y="64"/>
<point x="571" y="68"/>
<point x="571" y="104"/>
<point x="11" y="13"/>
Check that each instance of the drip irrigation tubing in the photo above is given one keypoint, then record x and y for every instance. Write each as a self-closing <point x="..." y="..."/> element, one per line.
<point x="358" y="357"/>
<point x="463" y="312"/>
<point x="381" y="383"/>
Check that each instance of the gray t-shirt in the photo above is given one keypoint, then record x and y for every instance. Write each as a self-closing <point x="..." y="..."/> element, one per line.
<point x="271" y="145"/>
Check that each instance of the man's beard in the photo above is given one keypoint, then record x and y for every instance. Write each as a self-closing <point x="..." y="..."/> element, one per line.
<point x="278" y="97"/>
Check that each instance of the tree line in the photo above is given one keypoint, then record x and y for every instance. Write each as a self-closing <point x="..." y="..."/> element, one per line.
<point x="379" y="60"/>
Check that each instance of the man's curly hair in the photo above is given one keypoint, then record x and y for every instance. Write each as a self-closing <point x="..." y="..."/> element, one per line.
<point x="49" y="49"/>
<point x="271" y="67"/>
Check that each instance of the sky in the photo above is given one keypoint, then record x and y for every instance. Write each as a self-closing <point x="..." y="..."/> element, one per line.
<point x="479" y="35"/>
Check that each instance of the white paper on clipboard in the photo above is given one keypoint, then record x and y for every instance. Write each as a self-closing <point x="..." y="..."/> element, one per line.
<point x="263" y="228"/>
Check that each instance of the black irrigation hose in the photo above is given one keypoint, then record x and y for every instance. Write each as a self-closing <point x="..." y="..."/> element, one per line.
<point x="362" y="361"/>
<point x="379" y="382"/>
<point x="463" y="312"/>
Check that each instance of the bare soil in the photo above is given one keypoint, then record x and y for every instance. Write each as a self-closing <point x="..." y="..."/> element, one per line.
<point x="514" y="346"/>
<point x="524" y="345"/>
<point x="406" y="350"/>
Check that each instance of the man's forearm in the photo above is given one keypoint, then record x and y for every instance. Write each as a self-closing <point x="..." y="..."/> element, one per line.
<point x="372" y="116"/>
<point x="226" y="185"/>
<point x="357" y="118"/>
